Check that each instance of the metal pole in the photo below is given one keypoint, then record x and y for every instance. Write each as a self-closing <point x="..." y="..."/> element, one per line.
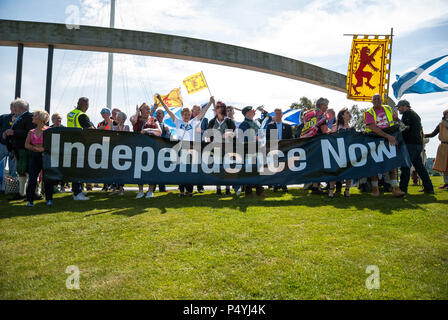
<point x="19" y="71"/>
<point x="390" y="64"/>
<point x="110" y="67"/>
<point x="49" y="77"/>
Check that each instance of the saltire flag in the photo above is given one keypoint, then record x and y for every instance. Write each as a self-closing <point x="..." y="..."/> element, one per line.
<point x="172" y="99"/>
<point x="432" y="76"/>
<point x="169" y="122"/>
<point x="290" y="116"/>
<point x="195" y="83"/>
<point x="368" y="66"/>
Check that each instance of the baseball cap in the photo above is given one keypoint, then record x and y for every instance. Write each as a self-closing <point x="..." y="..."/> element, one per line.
<point x="246" y="110"/>
<point x="403" y="103"/>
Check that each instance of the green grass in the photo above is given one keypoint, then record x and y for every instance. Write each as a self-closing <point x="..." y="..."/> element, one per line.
<point x="287" y="246"/>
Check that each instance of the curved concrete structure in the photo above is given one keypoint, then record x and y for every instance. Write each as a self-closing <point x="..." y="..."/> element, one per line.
<point x="41" y="35"/>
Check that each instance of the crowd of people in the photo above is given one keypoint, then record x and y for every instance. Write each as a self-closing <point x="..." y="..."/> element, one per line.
<point x="21" y="146"/>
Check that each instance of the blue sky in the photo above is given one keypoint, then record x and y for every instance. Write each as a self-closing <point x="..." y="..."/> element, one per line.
<point x="311" y="31"/>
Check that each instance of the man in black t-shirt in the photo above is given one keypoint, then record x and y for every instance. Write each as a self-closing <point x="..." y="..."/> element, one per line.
<point x="412" y="136"/>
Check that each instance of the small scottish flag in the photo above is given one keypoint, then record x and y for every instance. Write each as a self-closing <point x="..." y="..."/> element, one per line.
<point x="432" y="76"/>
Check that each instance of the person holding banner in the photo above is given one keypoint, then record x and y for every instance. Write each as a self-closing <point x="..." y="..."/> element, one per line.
<point x="250" y="124"/>
<point x="376" y="119"/>
<point x="78" y="118"/>
<point x="143" y="122"/>
<point x="412" y="136"/>
<point x="166" y="133"/>
<point x="283" y="130"/>
<point x="331" y="120"/>
<point x="342" y="124"/>
<point x="34" y="143"/>
<point x="119" y="125"/>
<point x="315" y="123"/>
<point x="199" y="131"/>
<point x="226" y="127"/>
<point x="230" y="113"/>
<point x="186" y="130"/>
<point x="107" y="122"/>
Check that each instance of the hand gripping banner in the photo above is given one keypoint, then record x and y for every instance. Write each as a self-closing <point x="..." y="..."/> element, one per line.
<point x="125" y="157"/>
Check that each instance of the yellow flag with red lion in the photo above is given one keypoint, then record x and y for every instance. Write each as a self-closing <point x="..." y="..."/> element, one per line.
<point x="195" y="83"/>
<point x="369" y="68"/>
<point x="172" y="99"/>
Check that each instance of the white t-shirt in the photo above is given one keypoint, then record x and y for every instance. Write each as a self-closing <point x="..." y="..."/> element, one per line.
<point x="186" y="131"/>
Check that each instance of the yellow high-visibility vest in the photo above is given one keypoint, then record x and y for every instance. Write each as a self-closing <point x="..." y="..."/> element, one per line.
<point x="72" y="118"/>
<point x="389" y="115"/>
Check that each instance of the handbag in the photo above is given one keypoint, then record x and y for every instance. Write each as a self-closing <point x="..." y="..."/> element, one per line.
<point x="11" y="185"/>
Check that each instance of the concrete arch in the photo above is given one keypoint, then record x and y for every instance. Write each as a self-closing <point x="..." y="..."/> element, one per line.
<point x="41" y="35"/>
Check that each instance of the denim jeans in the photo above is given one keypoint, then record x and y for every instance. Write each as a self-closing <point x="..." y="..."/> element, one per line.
<point x="415" y="155"/>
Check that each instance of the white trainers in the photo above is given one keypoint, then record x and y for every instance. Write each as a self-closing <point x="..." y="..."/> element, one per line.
<point x="80" y="196"/>
<point x="139" y="195"/>
<point x="149" y="194"/>
<point x="238" y="192"/>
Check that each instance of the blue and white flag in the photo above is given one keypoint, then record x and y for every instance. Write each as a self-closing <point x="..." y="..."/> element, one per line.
<point x="290" y="116"/>
<point x="432" y="76"/>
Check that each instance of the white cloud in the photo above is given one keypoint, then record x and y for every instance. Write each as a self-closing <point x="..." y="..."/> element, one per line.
<point x="317" y="29"/>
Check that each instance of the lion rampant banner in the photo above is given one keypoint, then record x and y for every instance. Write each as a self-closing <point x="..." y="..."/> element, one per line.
<point x="195" y="83"/>
<point x="172" y="99"/>
<point x="369" y="67"/>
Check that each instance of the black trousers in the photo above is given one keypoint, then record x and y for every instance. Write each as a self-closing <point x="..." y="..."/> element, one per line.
<point x="76" y="188"/>
<point x="188" y="187"/>
<point x="415" y="155"/>
<point x="34" y="169"/>
<point x="258" y="190"/>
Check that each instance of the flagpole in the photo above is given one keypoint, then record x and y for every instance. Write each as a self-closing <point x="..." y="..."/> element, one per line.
<point x="206" y="84"/>
<point x="390" y="64"/>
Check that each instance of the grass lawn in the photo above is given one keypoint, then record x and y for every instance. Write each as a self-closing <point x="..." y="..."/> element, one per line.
<point x="286" y="246"/>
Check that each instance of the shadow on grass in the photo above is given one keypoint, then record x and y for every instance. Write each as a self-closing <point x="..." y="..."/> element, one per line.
<point x="129" y="206"/>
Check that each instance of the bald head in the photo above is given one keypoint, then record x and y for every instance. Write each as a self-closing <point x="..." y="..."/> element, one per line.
<point x="377" y="100"/>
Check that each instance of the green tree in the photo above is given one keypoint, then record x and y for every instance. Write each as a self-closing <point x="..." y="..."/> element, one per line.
<point x="358" y="117"/>
<point x="303" y="104"/>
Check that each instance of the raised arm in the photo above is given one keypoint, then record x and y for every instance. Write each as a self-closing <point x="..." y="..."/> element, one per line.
<point x="170" y="113"/>
<point x="154" y="108"/>
<point x="134" y="117"/>
<point x="204" y="111"/>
